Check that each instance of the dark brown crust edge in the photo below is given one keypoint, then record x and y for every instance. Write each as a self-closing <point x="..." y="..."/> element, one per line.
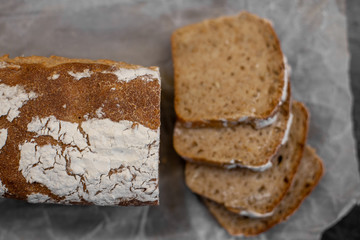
<point x="307" y="193"/>
<point x="291" y="210"/>
<point x="56" y="60"/>
<point x="299" y="157"/>
<point x="216" y="122"/>
<point x="129" y="203"/>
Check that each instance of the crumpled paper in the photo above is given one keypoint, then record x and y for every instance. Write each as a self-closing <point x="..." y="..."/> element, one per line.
<point x="313" y="36"/>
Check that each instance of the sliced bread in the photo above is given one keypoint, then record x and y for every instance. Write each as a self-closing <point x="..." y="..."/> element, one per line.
<point x="247" y="191"/>
<point x="229" y="68"/>
<point x="240" y="145"/>
<point x="307" y="177"/>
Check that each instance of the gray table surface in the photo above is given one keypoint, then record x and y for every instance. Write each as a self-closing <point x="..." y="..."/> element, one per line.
<point x="349" y="227"/>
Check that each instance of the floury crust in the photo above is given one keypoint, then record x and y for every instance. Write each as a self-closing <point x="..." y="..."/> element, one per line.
<point x="75" y="132"/>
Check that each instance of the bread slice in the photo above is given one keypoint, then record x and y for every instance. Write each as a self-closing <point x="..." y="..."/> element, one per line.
<point x="247" y="191"/>
<point x="229" y="68"/>
<point x="79" y="131"/>
<point x="240" y="145"/>
<point x="307" y="177"/>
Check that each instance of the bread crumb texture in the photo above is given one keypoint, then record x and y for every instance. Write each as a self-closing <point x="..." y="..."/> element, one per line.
<point x="227" y="68"/>
<point x="243" y="189"/>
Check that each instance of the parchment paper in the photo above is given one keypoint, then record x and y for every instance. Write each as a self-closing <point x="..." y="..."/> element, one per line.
<point x="313" y="36"/>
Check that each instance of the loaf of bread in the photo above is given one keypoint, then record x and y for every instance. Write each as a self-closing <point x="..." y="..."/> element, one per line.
<point x="77" y="131"/>
<point x="241" y="145"/>
<point x="252" y="193"/>
<point x="228" y="69"/>
<point x="307" y="177"/>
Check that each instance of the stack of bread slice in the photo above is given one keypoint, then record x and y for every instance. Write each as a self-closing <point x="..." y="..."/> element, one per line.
<point x="241" y="134"/>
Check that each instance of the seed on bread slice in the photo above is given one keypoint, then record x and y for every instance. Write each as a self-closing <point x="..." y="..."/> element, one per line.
<point x="240" y="145"/>
<point x="248" y="191"/>
<point x="307" y="177"/>
<point x="228" y="68"/>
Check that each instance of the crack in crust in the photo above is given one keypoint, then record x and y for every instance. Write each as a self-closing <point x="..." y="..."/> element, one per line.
<point x="65" y="106"/>
<point x="99" y="185"/>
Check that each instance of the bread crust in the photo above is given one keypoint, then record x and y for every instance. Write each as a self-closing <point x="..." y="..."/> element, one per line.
<point x="59" y="94"/>
<point x="53" y="61"/>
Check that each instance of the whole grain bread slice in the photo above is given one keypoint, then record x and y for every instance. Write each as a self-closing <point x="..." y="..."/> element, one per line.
<point x="241" y="145"/>
<point x="248" y="191"/>
<point x="228" y="68"/>
<point x="307" y="177"/>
